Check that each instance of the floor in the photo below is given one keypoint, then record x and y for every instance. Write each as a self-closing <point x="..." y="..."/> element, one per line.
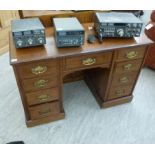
<point x="85" y="122"/>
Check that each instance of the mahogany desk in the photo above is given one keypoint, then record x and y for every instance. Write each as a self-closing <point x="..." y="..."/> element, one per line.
<point x="110" y="69"/>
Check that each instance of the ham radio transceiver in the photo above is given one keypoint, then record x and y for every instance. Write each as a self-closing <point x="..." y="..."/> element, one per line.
<point x="116" y="24"/>
<point x="68" y="32"/>
<point x="28" y="32"/>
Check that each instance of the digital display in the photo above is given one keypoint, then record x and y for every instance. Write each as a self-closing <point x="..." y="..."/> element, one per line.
<point x="70" y="33"/>
<point x="120" y="24"/>
<point x="75" y="33"/>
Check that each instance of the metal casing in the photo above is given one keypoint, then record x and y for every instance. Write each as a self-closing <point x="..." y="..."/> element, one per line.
<point x="117" y="24"/>
<point x="68" y="32"/>
<point x="28" y="32"/>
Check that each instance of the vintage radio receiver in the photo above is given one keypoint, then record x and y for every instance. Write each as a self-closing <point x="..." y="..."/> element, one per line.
<point x="68" y="32"/>
<point x="28" y="32"/>
<point x="115" y="24"/>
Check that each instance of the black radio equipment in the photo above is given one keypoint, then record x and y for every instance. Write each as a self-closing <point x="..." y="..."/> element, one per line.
<point x="28" y="32"/>
<point x="114" y="24"/>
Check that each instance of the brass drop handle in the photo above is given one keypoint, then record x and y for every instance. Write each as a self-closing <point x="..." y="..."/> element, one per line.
<point x="39" y="70"/>
<point x="88" y="61"/>
<point x="127" y="67"/>
<point x="124" y="80"/>
<point x="44" y="97"/>
<point x="40" y="83"/>
<point x="119" y="92"/>
<point x="131" y="54"/>
<point x="45" y="112"/>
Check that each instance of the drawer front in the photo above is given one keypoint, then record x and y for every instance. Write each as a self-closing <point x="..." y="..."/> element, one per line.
<point x="87" y="60"/>
<point x="42" y="96"/>
<point x="38" y="69"/>
<point x="130" y="53"/>
<point x="44" y="110"/>
<point x="116" y="92"/>
<point x="124" y="79"/>
<point x="39" y="83"/>
<point x="129" y="66"/>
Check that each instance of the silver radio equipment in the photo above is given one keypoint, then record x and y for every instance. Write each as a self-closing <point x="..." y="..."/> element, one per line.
<point x="68" y="32"/>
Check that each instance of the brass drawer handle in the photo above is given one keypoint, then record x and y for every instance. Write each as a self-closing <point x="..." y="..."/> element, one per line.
<point x="88" y="61"/>
<point x="45" y="112"/>
<point x="131" y="54"/>
<point x="127" y="67"/>
<point x="119" y="92"/>
<point x="124" y="80"/>
<point x="39" y="70"/>
<point x="44" y="97"/>
<point x="40" y="83"/>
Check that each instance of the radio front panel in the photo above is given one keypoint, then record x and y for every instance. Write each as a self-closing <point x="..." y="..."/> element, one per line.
<point x="68" y="32"/>
<point x="28" y="32"/>
<point x="119" y="25"/>
<point x="70" y="40"/>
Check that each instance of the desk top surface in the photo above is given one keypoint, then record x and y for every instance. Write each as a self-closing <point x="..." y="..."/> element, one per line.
<point x="49" y="50"/>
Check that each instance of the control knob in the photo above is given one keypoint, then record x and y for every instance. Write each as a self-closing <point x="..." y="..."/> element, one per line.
<point x="120" y="32"/>
<point x="19" y="42"/>
<point x="30" y="41"/>
<point x="40" y="40"/>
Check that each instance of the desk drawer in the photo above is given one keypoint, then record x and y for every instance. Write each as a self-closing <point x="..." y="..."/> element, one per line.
<point x="38" y="69"/>
<point x="124" y="79"/>
<point x="116" y="92"/>
<point x="44" y="110"/>
<point x="87" y="60"/>
<point x="42" y="96"/>
<point x="129" y="66"/>
<point x="130" y="53"/>
<point x="39" y="83"/>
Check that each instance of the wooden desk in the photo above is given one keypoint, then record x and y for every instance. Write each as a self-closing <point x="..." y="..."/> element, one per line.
<point x="110" y="69"/>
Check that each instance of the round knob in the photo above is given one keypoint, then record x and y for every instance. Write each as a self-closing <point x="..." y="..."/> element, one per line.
<point x="120" y="32"/>
<point x="40" y="40"/>
<point x="30" y="41"/>
<point x="19" y="42"/>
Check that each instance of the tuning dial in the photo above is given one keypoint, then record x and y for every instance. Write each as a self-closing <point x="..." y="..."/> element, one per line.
<point x="120" y="32"/>
<point x="19" y="42"/>
<point x="30" y="41"/>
